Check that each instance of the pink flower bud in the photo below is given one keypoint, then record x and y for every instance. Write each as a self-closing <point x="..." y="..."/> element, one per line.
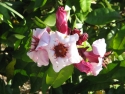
<point x="82" y="37"/>
<point x="61" y="20"/>
<point x="74" y="31"/>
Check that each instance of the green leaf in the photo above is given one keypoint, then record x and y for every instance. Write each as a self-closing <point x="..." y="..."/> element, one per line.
<point x="85" y="5"/>
<point x="118" y="42"/>
<point x="110" y="67"/>
<point x="12" y="10"/>
<point x="57" y="79"/>
<point x="36" y="83"/>
<point x="21" y="80"/>
<point x="18" y="36"/>
<point x="119" y="74"/>
<point x="50" y="20"/>
<point x="45" y="86"/>
<point x="122" y="64"/>
<point x="10" y="68"/>
<point x="102" y="16"/>
<point x="39" y="22"/>
<point x="39" y="3"/>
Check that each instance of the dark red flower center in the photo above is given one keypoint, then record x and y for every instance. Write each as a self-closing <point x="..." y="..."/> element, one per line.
<point x="60" y="50"/>
<point x="34" y="43"/>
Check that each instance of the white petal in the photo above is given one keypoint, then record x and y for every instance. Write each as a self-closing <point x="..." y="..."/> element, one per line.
<point x="33" y="55"/>
<point x="44" y="40"/>
<point x="97" y="67"/>
<point x="38" y="32"/>
<point x="67" y="38"/>
<point x="59" y="64"/>
<point x="99" y="47"/>
<point x="75" y="57"/>
<point x="43" y="58"/>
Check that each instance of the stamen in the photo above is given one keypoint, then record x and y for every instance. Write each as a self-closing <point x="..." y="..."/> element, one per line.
<point x="60" y="50"/>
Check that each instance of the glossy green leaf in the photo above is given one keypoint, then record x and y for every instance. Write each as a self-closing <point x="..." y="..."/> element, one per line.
<point x="39" y="22"/>
<point x="50" y="20"/>
<point x="109" y="67"/>
<point x="18" y="36"/>
<point x="122" y="64"/>
<point x="57" y="79"/>
<point x="102" y="16"/>
<point x="118" y="42"/>
<point x="85" y="5"/>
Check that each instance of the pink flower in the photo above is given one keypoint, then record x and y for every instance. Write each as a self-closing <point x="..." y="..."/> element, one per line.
<point x="62" y="50"/>
<point x="38" y="51"/>
<point x="95" y="57"/>
<point x="98" y="50"/>
<point x="97" y="66"/>
<point x="84" y="67"/>
<point x="61" y="20"/>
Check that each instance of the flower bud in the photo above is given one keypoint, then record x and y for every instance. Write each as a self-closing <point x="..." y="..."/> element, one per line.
<point x="61" y="20"/>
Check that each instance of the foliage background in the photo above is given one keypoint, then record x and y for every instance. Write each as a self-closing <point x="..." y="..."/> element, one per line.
<point x="100" y="19"/>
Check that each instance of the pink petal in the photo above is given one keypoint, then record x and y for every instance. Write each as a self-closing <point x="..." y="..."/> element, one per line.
<point x="91" y="56"/>
<point x="84" y="67"/>
<point x="44" y="40"/>
<point x="99" y="47"/>
<point x="97" y="67"/>
<point x="43" y="58"/>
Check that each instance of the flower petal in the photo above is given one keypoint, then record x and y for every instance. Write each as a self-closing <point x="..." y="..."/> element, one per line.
<point x="84" y="67"/>
<point x="66" y="38"/>
<point x="99" y="47"/>
<point x="44" y="40"/>
<point x="97" y="67"/>
<point x="43" y="58"/>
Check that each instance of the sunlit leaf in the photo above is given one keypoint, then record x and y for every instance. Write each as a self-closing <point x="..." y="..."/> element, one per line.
<point x="102" y="16"/>
<point x="10" y="68"/>
<point x="50" y="20"/>
<point x="85" y="5"/>
<point x="18" y="36"/>
<point x="56" y="79"/>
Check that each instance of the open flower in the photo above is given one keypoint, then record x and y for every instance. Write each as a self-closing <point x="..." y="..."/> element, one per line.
<point x="94" y="57"/>
<point x="98" y="50"/>
<point x="62" y="50"/>
<point x="38" y="51"/>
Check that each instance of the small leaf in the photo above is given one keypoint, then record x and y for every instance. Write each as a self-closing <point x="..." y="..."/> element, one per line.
<point x="18" y="36"/>
<point x="39" y="22"/>
<point x="57" y="79"/>
<point x="10" y="68"/>
<point x="85" y="5"/>
<point x="50" y="20"/>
